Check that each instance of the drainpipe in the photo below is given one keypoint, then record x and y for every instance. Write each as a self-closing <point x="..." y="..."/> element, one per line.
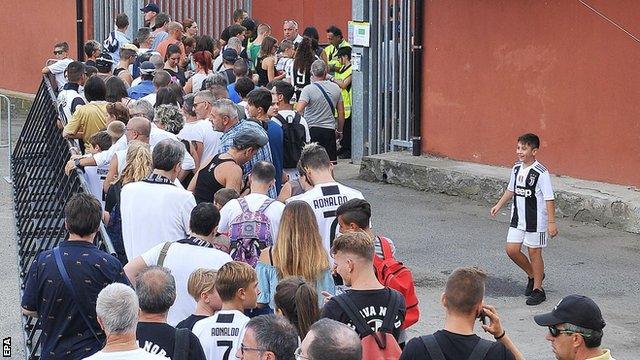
<point x="80" y="28"/>
<point x="418" y="52"/>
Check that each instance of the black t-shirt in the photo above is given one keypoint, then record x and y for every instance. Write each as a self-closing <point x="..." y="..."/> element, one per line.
<point x="372" y="305"/>
<point x="190" y="321"/>
<point x="160" y="338"/>
<point x="454" y="347"/>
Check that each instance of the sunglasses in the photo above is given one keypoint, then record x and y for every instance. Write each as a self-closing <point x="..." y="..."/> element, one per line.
<point x="555" y="332"/>
<point x="57" y="52"/>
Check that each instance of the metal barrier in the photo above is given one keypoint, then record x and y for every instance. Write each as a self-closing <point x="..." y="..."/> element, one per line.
<point x="212" y="16"/>
<point x="384" y="107"/>
<point x="40" y="192"/>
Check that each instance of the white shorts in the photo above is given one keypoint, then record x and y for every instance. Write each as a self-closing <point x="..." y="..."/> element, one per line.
<point x="529" y="239"/>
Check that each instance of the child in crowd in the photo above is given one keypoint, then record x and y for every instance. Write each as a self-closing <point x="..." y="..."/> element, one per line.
<point x="532" y="215"/>
<point x="223" y="196"/>
<point x="116" y="130"/>
<point x="220" y="199"/>
<point x="285" y="62"/>
<point x="297" y="300"/>
<point x="201" y="286"/>
<point x="237" y="286"/>
<point x="100" y="141"/>
<point x="117" y="112"/>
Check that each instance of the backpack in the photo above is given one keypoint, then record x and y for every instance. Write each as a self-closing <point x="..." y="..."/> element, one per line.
<point x="479" y="352"/>
<point x="249" y="233"/>
<point x="393" y="274"/>
<point x="111" y="43"/>
<point x="294" y="137"/>
<point x="376" y="345"/>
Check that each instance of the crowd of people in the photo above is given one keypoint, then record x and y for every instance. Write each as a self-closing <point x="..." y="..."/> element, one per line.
<point x="210" y="163"/>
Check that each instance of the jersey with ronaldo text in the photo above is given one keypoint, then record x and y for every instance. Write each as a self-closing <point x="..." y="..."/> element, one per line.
<point x="325" y="199"/>
<point x="532" y="189"/>
<point x="221" y="334"/>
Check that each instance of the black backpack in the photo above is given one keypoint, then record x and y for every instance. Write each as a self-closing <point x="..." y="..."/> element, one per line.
<point x="294" y="137"/>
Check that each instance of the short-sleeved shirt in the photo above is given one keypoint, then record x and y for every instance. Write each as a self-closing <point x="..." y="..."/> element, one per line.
<point x="88" y="119"/>
<point x="372" y="304"/>
<point x="158" y="37"/>
<point x="144" y="88"/>
<point x="454" y="347"/>
<point x="57" y="69"/>
<point x="65" y="335"/>
<point x="221" y="334"/>
<point x="532" y="189"/>
<point x="263" y="154"/>
<point x="325" y="199"/>
<point x="190" y="321"/>
<point x="232" y="209"/>
<point x="122" y="40"/>
<point x="318" y="112"/>
<point x="160" y="338"/>
<point x="153" y="213"/>
<point x="199" y="257"/>
<point x="138" y="354"/>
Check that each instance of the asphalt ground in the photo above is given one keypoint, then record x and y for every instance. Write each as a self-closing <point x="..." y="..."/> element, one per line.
<point x="434" y="234"/>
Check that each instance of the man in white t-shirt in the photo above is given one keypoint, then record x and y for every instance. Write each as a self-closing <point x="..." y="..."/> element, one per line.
<point x="155" y="210"/>
<point x="326" y="195"/>
<point x="117" y="312"/>
<point x="262" y="178"/>
<point x="61" y="53"/>
<point x="201" y="105"/>
<point x="198" y="249"/>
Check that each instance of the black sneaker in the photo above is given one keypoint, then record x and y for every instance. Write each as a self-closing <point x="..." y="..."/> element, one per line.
<point x="537" y="297"/>
<point x="529" y="289"/>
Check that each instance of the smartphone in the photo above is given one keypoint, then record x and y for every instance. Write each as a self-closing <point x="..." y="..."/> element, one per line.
<point x="482" y="317"/>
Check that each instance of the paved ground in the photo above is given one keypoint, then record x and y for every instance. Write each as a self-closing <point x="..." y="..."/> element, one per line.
<point x="435" y="234"/>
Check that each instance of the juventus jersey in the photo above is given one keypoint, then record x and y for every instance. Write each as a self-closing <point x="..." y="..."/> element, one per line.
<point x="532" y="188"/>
<point x="221" y="334"/>
<point x="325" y="200"/>
<point x="95" y="176"/>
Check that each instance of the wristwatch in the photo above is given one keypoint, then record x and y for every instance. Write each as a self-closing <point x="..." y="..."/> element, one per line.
<point x="76" y="163"/>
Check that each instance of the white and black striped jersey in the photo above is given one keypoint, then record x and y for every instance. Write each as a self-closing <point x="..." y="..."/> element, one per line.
<point x="325" y="199"/>
<point x="221" y="334"/>
<point x="532" y="188"/>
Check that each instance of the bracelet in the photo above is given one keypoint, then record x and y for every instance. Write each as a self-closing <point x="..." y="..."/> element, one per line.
<point x="339" y="132"/>
<point x="504" y="332"/>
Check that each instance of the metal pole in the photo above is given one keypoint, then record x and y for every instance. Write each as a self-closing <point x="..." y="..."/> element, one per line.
<point x="9" y="145"/>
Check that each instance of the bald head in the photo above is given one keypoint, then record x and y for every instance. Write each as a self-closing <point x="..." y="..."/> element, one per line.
<point x="140" y="125"/>
<point x="329" y="339"/>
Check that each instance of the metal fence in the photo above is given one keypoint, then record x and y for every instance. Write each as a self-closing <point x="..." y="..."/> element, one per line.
<point x="212" y="16"/>
<point x="387" y="106"/>
<point x="40" y="192"/>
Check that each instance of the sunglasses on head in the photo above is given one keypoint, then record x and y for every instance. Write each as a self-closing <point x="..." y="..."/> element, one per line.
<point x="555" y="332"/>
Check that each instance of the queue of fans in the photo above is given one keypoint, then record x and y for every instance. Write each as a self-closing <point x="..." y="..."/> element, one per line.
<point x="210" y="163"/>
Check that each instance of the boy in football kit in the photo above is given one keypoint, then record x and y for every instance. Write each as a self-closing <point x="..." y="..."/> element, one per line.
<point x="532" y="214"/>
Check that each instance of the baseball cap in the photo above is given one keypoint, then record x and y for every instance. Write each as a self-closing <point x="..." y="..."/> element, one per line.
<point x="150" y="7"/>
<point x="129" y="47"/>
<point x="249" y="137"/>
<point x="147" y="68"/>
<point x="574" y="309"/>
<point x="104" y="60"/>
<point x="229" y="54"/>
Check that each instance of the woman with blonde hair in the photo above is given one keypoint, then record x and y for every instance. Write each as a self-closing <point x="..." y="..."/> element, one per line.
<point x="137" y="168"/>
<point x="297" y="251"/>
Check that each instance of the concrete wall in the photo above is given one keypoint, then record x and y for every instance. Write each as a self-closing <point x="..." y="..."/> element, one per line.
<point x="320" y="14"/>
<point x="497" y="69"/>
<point x="33" y="27"/>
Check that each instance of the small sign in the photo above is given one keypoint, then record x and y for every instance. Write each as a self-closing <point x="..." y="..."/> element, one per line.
<point x="359" y="33"/>
<point x="356" y="60"/>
